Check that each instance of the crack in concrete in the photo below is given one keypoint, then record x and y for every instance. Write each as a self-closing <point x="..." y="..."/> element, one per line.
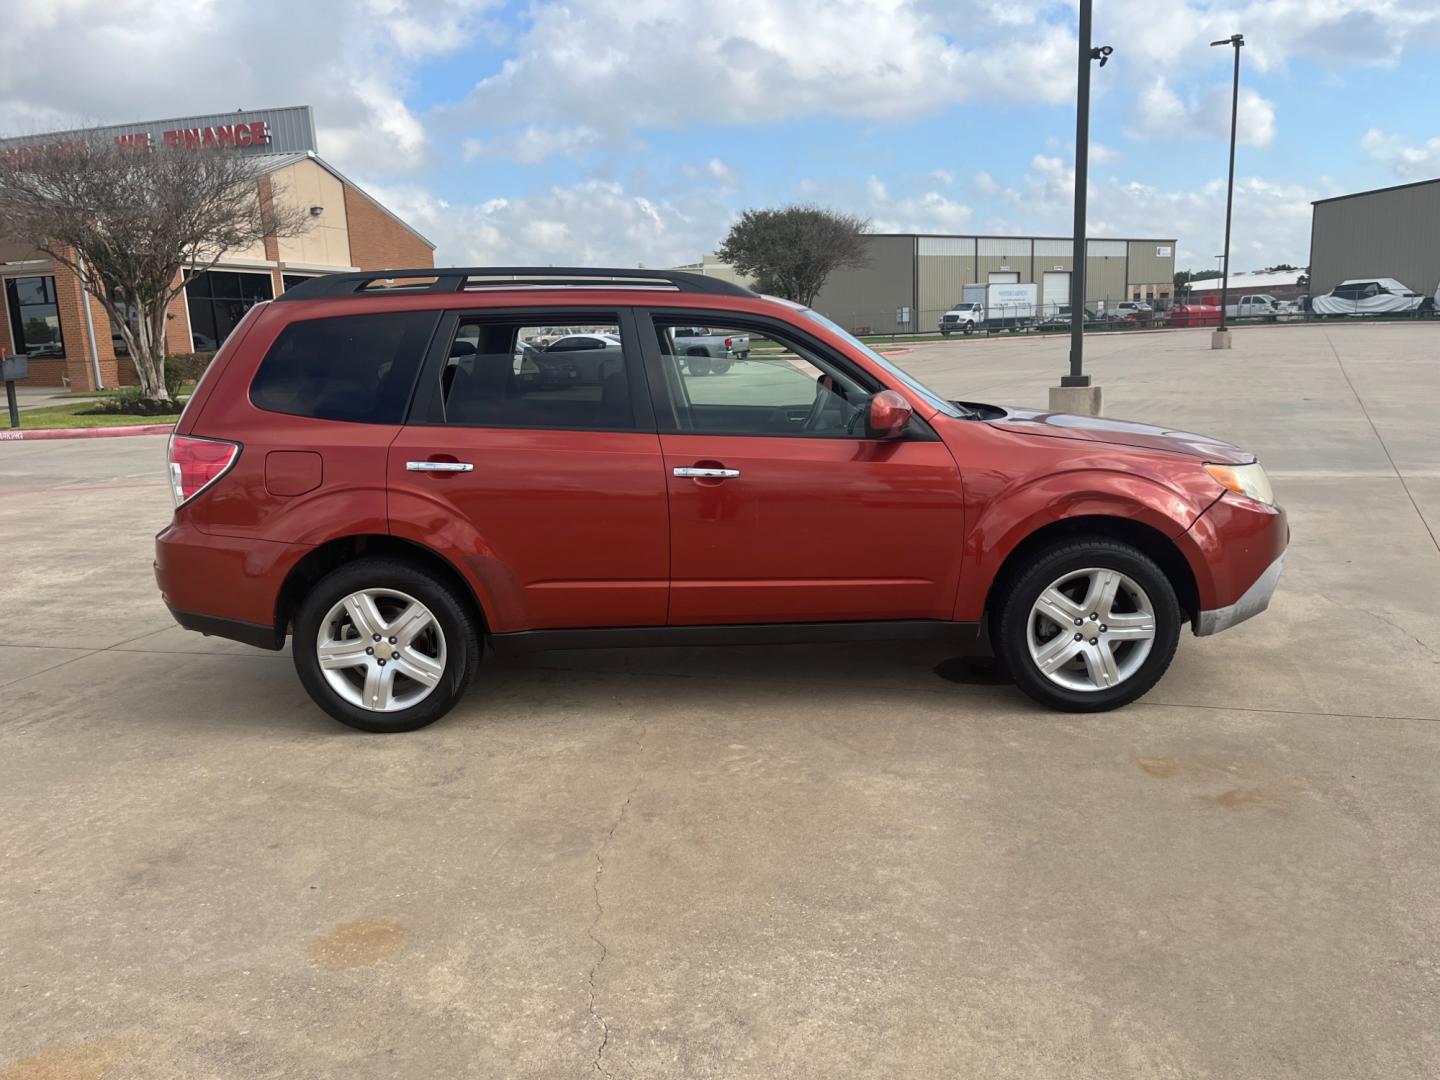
<point x="599" y="1063"/>
<point x="1403" y="629"/>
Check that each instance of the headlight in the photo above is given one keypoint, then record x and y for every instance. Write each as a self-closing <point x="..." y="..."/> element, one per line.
<point x="1248" y="480"/>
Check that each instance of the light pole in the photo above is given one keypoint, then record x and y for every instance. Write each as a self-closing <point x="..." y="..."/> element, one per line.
<point x="1220" y="339"/>
<point x="1075" y="394"/>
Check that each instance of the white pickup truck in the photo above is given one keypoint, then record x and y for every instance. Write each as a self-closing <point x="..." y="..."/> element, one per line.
<point x="705" y="353"/>
<point x="1262" y="306"/>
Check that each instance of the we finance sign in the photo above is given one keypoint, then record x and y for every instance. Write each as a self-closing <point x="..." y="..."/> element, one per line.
<point x="289" y="130"/>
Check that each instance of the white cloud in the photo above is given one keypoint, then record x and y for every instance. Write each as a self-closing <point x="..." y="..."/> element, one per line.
<point x="594" y="222"/>
<point x="917" y="208"/>
<point x="598" y="62"/>
<point x="1272" y="217"/>
<point x="353" y="61"/>
<point x="928" y="212"/>
<point x="532" y="144"/>
<point x="1148" y="36"/>
<point x="1160" y="112"/>
<point x="715" y="172"/>
<point x="1409" y="161"/>
<point x="1100" y="154"/>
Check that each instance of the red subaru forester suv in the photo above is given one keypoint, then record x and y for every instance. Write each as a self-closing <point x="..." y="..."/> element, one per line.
<point x="396" y="469"/>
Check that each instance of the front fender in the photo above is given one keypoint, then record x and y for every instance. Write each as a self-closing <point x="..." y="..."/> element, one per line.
<point x="1016" y="511"/>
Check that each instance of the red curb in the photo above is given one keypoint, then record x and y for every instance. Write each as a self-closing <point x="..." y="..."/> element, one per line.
<point x="26" y="434"/>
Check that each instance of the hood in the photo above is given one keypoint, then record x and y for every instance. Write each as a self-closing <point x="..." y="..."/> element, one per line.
<point x="1101" y="429"/>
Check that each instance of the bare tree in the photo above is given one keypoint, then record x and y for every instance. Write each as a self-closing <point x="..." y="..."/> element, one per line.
<point x="135" y="225"/>
<point x="790" y="252"/>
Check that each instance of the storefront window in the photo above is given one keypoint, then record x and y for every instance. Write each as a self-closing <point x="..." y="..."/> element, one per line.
<point x="34" y="317"/>
<point x="291" y="280"/>
<point x="218" y="300"/>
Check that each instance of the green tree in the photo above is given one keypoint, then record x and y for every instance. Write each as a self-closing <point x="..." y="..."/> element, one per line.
<point x="790" y="252"/>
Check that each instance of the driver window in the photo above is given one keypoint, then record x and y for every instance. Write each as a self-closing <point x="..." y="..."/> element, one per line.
<point x="731" y="381"/>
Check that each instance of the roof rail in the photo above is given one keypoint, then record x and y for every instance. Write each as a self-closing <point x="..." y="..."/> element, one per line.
<point x="454" y="279"/>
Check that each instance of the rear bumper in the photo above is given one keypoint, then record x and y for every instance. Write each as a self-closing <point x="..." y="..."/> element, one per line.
<point x="257" y="634"/>
<point x="224" y="585"/>
<point x="1252" y="602"/>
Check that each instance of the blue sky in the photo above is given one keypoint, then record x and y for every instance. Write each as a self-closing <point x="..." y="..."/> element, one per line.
<point x="633" y="131"/>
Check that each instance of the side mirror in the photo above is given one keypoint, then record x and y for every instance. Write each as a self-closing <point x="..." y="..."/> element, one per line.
<point x="887" y="414"/>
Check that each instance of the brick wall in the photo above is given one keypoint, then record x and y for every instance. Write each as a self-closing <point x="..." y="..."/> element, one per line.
<point x="378" y="240"/>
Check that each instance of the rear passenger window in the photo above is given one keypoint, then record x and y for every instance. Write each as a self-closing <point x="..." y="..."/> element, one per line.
<point x="359" y="368"/>
<point x="505" y="373"/>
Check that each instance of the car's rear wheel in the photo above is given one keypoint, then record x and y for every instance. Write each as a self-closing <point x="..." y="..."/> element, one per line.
<point x="719" y="367"/>
<point x="384" y="646"/>
<point x="698" y="362"/>
<point x="1090" y="625"/>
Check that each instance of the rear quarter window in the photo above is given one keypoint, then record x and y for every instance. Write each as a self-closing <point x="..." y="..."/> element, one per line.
<point x="358" y="368"/>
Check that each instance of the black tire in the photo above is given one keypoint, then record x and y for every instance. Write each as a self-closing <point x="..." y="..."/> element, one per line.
<point x="719" y="367"/>
<point x="969" y="328"/>
<point x="1009" y="624"/>
<point x="453" y="614"/>
<point x="698" y="362"/>
<point x="944" y="333"/>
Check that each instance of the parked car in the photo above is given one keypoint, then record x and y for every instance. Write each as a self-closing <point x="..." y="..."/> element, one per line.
<point x="362" y="472"/>
<point x="1368" y="296"/>
<point x="1194" y="315"/>
<point x="1128" y="308"/>
<point x="706" y="353"/>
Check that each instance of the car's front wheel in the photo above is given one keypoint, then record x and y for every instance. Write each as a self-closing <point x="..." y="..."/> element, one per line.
<point x="384" y="646"/>
<point x="1090" y="625"/>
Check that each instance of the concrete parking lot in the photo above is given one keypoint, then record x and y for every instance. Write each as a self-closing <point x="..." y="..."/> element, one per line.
<point x="806" y="862"/>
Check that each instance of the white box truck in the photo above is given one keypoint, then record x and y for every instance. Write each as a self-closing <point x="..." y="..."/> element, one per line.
<point x="996" y="306"/>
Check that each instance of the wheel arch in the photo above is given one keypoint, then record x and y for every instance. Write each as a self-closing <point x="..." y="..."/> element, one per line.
<point x="1146" y="538"/>
<point x="332" y="554"/>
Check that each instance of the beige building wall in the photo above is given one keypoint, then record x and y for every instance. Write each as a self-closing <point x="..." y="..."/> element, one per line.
<point x="866" y="298"/>
<point x="945" y="265"/>
<point x="1152" y="268"/>
<point x="327" y="241"/>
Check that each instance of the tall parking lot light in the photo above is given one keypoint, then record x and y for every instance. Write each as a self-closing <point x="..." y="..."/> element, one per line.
<point x="1220" y="339"/>
<point x="1075" y="394"/>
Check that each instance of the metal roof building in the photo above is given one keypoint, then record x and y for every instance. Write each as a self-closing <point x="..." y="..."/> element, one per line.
<point x="1389" y="232"/>
<point x="923" y="276"/>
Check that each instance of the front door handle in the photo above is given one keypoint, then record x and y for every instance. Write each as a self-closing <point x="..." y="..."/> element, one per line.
<point x="711" y="474"/>
<point x="439" y="466"/>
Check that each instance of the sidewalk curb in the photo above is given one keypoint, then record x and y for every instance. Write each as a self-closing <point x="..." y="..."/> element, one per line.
<point x="28" y="434"/>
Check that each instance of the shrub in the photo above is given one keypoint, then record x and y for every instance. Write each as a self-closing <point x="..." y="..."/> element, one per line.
<point x="129" y="402"/>
<point x="185" y="368"/>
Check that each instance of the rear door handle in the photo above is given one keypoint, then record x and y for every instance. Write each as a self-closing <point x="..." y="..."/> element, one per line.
<point x="439" y="466"/>
<point x="716" y="474"/>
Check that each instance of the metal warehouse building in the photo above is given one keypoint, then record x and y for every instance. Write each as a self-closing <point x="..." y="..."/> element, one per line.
<point x="1390" y="232"/>
<point x="927" y="275"/>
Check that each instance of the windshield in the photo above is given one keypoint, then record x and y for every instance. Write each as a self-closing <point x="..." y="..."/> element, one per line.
<point x="946" y="407"/>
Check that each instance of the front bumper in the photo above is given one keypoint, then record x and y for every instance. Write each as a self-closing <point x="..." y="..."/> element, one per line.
<point x="1254" y="600"/>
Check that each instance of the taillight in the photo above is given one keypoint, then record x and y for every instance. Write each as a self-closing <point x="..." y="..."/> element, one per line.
<point x="729" y="342"/>
<point x="197" y="463"/>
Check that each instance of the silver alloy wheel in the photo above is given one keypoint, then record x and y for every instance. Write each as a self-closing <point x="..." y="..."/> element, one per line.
<point x="1091" y="629"/>
<point x="381" y="649"/>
